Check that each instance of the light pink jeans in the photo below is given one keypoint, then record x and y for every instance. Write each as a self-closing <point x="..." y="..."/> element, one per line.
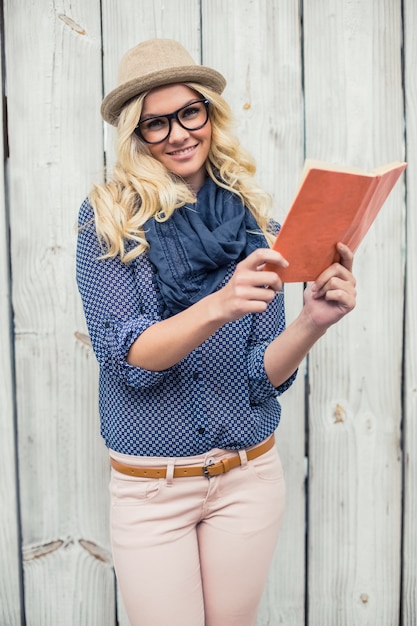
<point x="195" y="551"/>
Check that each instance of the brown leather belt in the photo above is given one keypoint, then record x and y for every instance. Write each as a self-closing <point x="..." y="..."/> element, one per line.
<point x="214" y="469"/>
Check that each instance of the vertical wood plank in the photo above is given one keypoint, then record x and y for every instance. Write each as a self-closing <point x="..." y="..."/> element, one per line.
<point x="53" y="57"/>
<point x="409" y="611"/>
<point x="125" y="25"/>
<point x="10" y="610"/>
<point x="354" y="114"/>
<point x="257" y="48"/>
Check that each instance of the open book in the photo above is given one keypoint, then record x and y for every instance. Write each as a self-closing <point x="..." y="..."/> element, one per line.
<point x="332" y="204"/>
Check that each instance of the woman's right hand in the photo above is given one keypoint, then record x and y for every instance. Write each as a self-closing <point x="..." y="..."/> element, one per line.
<point x="251" y="288"/>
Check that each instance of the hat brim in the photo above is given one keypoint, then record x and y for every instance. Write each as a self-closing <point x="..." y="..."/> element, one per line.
<point x="114" y="102"/>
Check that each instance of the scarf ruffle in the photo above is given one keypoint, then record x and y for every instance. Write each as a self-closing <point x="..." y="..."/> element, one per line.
<point x="192" y="250"/>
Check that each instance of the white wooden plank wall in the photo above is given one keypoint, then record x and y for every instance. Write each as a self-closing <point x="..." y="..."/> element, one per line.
<point x="314" y="78"/>
<point x="10" y="610"/>
<point x="409" y="594"/>
<point x="354" y="113"/>
<point x="53" y="68"/>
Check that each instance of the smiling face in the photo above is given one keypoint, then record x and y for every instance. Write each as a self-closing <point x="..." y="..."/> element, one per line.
<point x="183" y="152"/>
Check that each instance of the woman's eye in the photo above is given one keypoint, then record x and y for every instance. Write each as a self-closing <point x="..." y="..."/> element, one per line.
<point x="190" y="112"/>
<point x="155" y="124"/>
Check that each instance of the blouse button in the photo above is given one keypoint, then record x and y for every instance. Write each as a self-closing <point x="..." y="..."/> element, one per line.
<point x="201" y="431"/>
<point x="196" y="376"/>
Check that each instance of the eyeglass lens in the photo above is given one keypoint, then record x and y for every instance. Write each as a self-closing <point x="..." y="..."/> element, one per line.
<point x="193" y="116"/>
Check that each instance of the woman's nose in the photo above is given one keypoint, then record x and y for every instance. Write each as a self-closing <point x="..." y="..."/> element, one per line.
<point x="177" y="132"/>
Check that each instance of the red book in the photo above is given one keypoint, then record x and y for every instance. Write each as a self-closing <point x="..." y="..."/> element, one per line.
<point x="332" y="204"/>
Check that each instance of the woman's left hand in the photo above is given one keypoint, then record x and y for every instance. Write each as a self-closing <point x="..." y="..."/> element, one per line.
<point x="333" y="294"/>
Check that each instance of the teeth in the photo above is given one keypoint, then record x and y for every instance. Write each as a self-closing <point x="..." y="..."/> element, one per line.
<point x="183" y="151"/>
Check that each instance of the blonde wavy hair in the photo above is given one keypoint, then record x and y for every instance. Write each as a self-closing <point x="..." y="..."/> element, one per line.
<point x="141" y="187"/>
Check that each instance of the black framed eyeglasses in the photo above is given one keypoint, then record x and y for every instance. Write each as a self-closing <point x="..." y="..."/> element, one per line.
<point x="156" y="128"/>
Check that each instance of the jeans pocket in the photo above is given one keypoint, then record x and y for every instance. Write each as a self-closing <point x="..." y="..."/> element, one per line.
<point x="130" y="491"/>
<point x="268" y="466"/>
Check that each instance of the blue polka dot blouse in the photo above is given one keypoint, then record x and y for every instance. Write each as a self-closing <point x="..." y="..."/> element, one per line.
<point x="217" y="397"/>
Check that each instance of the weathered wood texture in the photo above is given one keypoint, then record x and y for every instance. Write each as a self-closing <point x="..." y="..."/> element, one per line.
<point x="318" y="79"/>
<point x="10" y="568"/>
<point x="409" y="556"/>
<point x="354" y="113"/>
<point x="52" y="51"/>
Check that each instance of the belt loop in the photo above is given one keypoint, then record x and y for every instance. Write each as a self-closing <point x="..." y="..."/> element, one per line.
<point x="170" y="472"/>
<point x="243" y="458"/>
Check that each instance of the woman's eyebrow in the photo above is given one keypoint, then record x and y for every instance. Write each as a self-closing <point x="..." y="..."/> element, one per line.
<point x="150" y="115"/>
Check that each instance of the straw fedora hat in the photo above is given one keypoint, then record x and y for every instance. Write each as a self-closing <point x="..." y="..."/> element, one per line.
<point x="151" y="64"/>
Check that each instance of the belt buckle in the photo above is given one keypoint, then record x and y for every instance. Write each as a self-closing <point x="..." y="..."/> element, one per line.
<point x="206" y="473"/>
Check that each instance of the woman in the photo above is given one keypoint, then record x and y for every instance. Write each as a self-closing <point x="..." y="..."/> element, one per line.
<point x="189" y="332"/>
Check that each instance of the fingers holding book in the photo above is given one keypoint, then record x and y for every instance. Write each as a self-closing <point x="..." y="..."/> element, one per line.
<point x="251" y="289"/>
<point x="333" y="294"/>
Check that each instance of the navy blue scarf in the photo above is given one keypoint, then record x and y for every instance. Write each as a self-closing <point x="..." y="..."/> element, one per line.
<point x="192" y="250"/>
